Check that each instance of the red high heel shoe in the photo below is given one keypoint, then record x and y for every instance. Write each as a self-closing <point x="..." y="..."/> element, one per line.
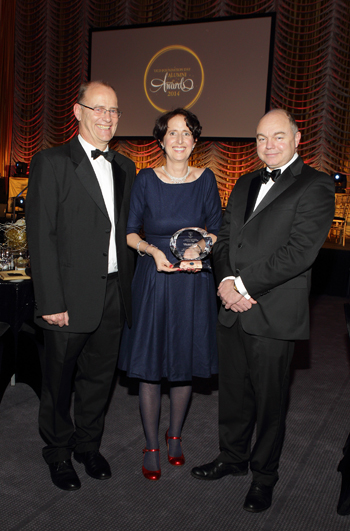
<point x="153" y="475"/>
<point x="175" y="461"/>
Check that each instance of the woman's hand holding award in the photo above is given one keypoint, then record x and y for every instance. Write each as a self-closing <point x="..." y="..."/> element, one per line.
<point x="191" y="245"/>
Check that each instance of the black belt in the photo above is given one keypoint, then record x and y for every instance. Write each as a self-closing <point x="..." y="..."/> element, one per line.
<point x="112" y="275"/>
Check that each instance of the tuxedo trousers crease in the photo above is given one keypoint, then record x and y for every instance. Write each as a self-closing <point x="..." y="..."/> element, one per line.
<point x="84" y="363"/>
<point x="253" y="389"/>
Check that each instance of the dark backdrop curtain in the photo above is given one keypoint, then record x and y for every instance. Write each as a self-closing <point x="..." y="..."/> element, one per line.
<point x="310" y="76"/>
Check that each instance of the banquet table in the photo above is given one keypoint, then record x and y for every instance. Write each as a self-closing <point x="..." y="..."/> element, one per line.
<point x="19" y="336"/>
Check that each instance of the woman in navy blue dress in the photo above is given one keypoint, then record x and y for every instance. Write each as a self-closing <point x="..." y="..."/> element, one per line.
<point x="174" y="312"/>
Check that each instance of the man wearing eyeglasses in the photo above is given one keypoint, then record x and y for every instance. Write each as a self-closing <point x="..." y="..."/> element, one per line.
<point x="76" y="214"/>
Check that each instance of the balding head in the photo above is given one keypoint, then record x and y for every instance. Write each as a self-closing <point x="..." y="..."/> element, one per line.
<point x="277" y="138"/>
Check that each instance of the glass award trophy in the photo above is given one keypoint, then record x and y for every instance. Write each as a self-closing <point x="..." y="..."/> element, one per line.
<point x="191" y="245"/>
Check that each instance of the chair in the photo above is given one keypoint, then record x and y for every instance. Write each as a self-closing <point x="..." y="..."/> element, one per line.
<point x="338" y="227"/>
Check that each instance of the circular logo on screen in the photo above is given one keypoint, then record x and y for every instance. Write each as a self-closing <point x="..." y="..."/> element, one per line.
<point x="174" y="77"/>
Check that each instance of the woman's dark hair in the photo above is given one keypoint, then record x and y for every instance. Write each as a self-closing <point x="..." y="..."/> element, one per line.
<point x="161" y="125"/>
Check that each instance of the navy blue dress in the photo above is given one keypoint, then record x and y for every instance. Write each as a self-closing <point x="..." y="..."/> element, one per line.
<point x="174" y="314"/>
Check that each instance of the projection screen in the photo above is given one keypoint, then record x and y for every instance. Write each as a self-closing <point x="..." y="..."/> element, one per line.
<point x="218" y="69"/>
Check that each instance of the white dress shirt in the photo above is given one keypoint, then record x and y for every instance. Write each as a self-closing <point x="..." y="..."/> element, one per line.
<point x="104" y="175"/>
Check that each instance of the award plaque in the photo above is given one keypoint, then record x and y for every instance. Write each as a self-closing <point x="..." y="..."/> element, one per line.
<point x="191" y="245"/>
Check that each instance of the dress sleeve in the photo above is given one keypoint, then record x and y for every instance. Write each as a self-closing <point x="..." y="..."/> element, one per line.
<point x="213" y="209"/>
<point x="137" y="204"/>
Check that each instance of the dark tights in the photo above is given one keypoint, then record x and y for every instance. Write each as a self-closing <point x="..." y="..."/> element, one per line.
<point x="150" y="399"/>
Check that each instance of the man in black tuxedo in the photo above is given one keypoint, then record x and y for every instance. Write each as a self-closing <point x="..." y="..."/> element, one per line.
<point x="274" y="225"/>
<point x="76" y="215"/>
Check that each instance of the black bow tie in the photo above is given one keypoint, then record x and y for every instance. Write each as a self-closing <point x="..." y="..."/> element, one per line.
<point x="108" y="155"/>
<point x="266" y="175"/>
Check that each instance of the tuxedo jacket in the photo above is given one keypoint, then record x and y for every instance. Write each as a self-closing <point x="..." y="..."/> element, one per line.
<point x="273" y="248"/>
<point x="68" y="231"/>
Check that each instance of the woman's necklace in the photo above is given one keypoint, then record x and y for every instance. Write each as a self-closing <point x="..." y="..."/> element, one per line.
<point x="177" y="180"/>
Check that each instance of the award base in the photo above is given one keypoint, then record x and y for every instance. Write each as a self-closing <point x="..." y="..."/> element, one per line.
<point x="193" y="265"/>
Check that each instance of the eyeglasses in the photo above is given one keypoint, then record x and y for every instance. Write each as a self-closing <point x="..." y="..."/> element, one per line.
<point x="99" y="111"/>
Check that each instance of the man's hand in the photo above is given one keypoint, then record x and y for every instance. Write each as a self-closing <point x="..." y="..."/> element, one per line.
<point x="60" y="319"/>
<point x="231" y="299"/>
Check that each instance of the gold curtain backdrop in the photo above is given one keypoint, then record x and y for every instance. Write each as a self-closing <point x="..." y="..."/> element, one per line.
<point x="311" y="75"/>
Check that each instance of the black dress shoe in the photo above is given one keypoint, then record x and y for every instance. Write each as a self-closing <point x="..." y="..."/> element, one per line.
<point x="216" y="470"/>
<point x="343" y="507"/>
<point x="95" y="464"/>
<point x="259" y="498"/>
<point x="64" y="476"/>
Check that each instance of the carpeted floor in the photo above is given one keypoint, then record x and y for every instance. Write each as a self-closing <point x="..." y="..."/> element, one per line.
<point x="305" y="498"/>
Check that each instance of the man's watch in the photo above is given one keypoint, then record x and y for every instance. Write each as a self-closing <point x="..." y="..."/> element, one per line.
<point x="235" y="287"/>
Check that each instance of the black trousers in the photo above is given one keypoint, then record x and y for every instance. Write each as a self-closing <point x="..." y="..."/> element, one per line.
<point x="253" y="389"/>
<point x="85" y="362"/>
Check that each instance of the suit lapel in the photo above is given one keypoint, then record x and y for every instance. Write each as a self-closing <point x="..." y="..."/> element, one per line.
<point x="86" y="174"/>
<point x="287" y="178"/>
<point x="252" y="196"/>
<point x="119" y="182"/>
<point x="88" y="179"/>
